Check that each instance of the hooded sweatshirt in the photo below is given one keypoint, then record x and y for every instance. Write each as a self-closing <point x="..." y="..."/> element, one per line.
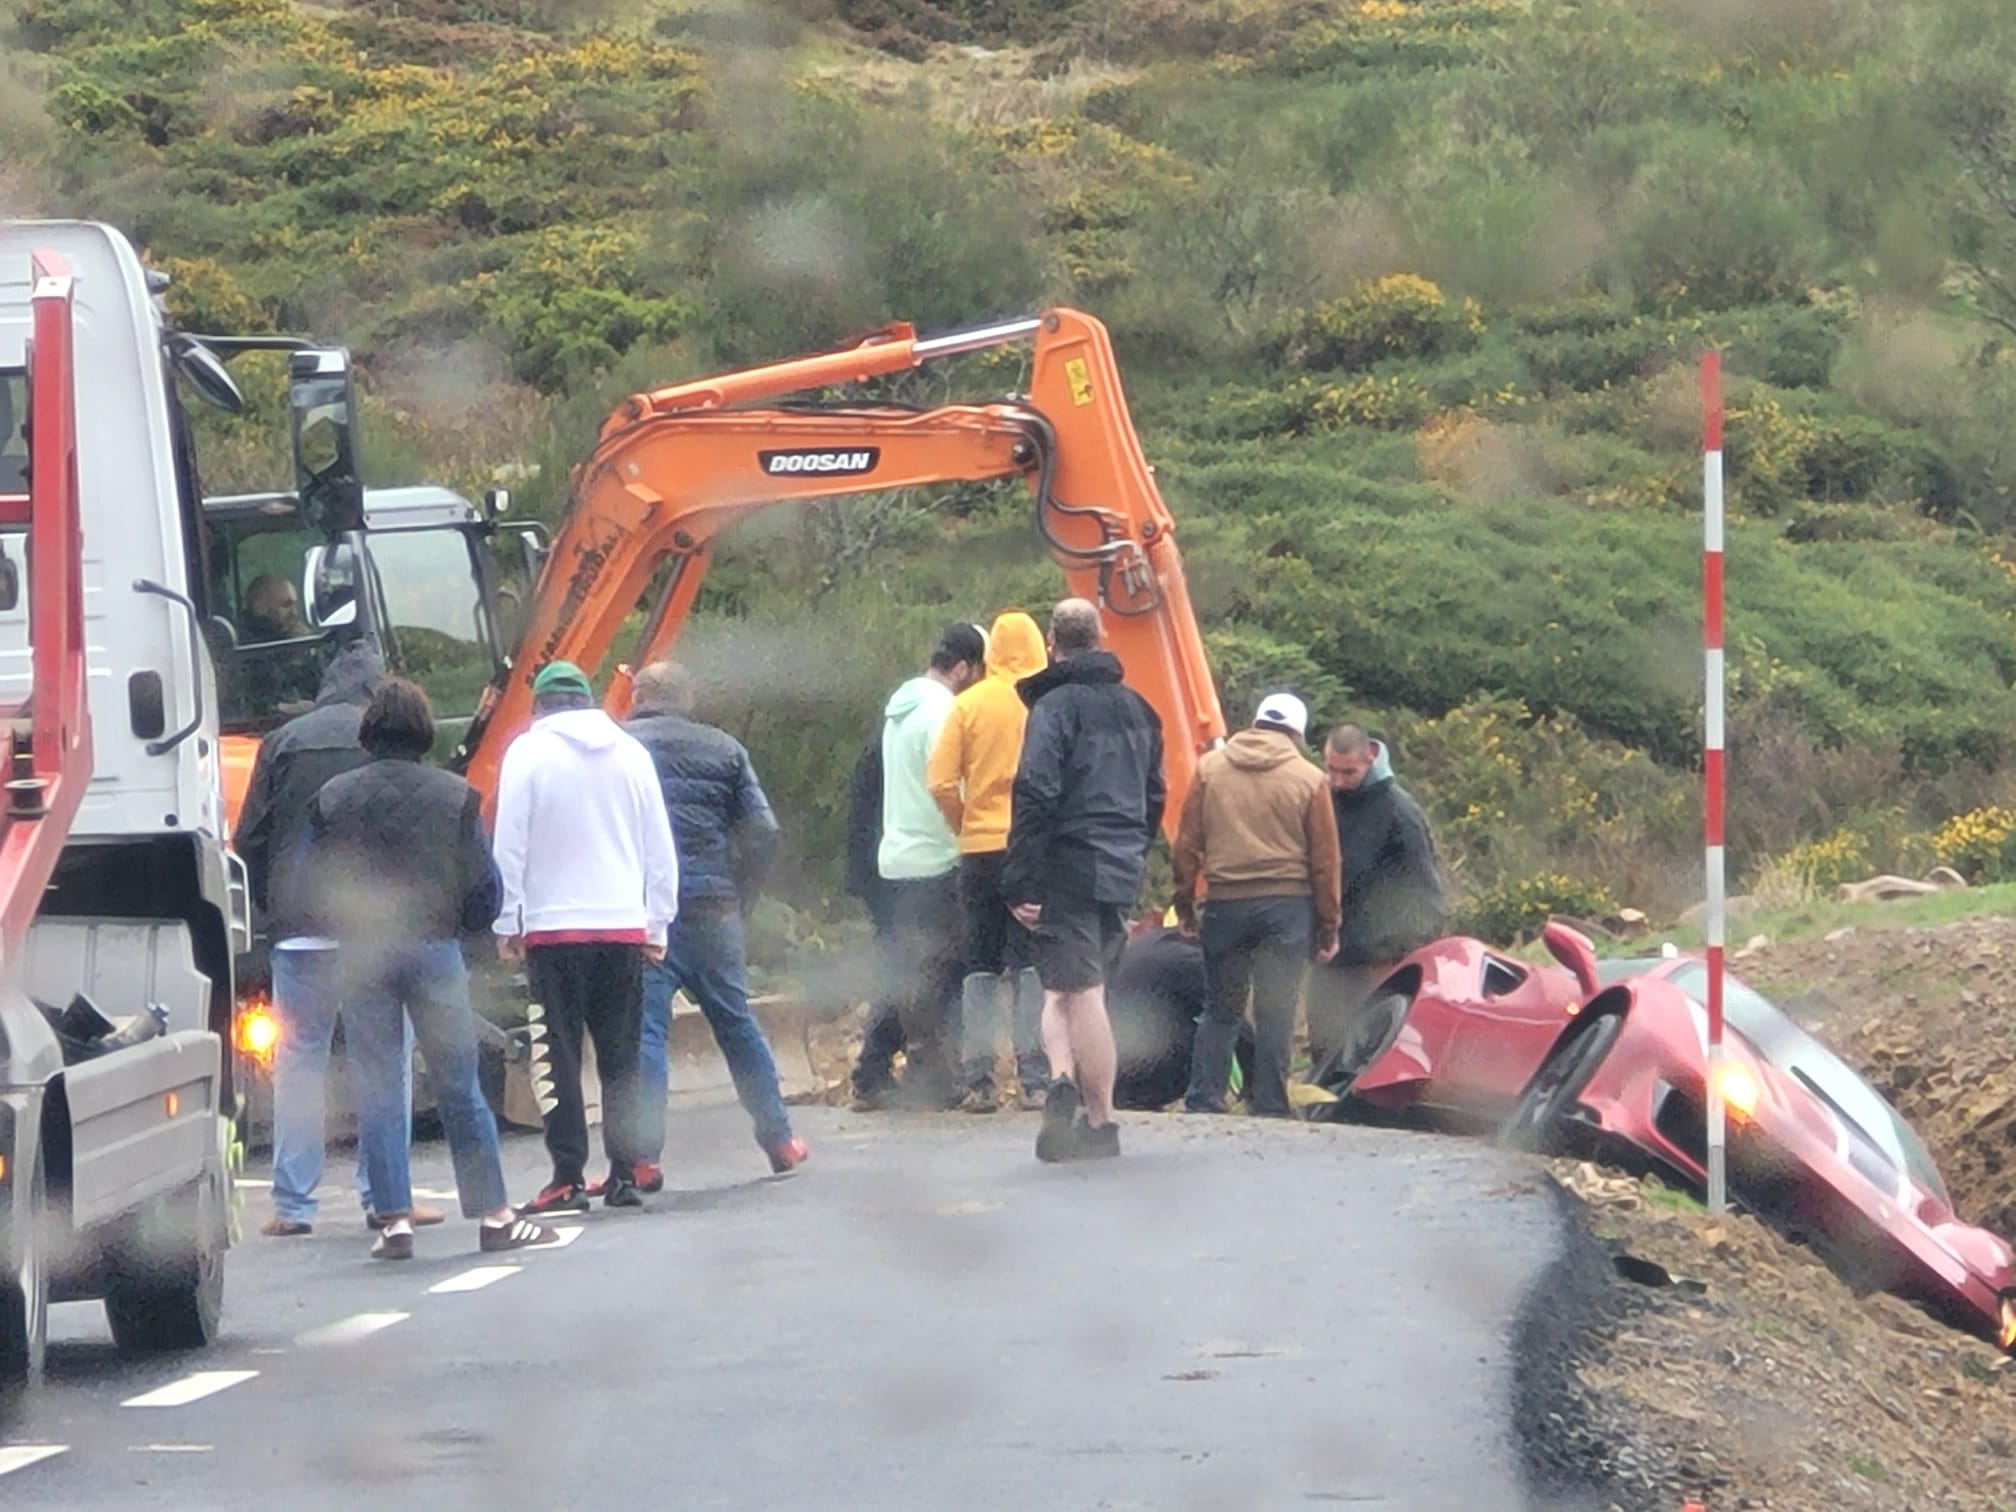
<point x="583" y="846"/>
<point x="1258" y="824"/>
<point x="916" y="842"/>
<point x="972" y="769"/>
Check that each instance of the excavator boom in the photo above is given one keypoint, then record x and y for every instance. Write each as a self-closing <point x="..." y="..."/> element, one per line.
<point x="675" y="466"/>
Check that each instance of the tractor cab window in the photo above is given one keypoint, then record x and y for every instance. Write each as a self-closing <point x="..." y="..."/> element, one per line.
<point x="435" y="627"/>
<point x="271" y="650"/>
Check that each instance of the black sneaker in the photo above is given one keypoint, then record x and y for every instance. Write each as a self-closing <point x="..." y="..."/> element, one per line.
<point x="1060" y="1107"/>
<point x="1088" y="1143"/>
<point x="560" y="1197"/>
<point x="517" y="1234"/>
<point x="622" y="1193"/>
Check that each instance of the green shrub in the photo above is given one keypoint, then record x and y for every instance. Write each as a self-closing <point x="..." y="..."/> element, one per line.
<point x="1517" y="910"/>
<point x="1401" y="315"/>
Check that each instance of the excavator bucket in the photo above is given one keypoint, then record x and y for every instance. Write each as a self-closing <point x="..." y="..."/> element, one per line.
<point x="698" y="1073"/>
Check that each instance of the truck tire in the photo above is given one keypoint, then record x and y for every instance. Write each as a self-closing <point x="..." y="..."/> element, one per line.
<point x="167" y="1289"/>
<point x="24" y="1298"/>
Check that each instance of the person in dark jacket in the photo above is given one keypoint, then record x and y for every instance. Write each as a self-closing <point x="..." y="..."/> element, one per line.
<point x="294" y="762"/>
<point x="727" y="837"/>
<point x="400" y="870"/>
<point x="1088" y="798"/>
<point x="1392" y="896"/>
<point x="874" y="1078"/>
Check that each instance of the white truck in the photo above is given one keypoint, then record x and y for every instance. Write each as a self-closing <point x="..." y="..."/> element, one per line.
<point x="121" y="907"/>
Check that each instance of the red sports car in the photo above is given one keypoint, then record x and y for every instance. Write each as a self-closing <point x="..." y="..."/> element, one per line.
<point x="1609" y="1058"/>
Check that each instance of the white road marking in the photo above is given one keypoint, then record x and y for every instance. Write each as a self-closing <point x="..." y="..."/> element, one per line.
<point x="170" y="1449"/>
<point x="435" y="1192"/>
<point x="473" y="1280"/>
<point x="21" y="1456"/>
<point x="192" y="1388"/>
<point x="567" y="1236"/>
<point x="362" y="1326"/>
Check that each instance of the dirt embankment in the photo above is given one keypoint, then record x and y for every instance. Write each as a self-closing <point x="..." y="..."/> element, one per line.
<point x="1737" y="1368"/>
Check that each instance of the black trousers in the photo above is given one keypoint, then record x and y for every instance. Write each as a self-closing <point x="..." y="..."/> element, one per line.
<point x="598" y="988"/>
<point x="926" y="965"/>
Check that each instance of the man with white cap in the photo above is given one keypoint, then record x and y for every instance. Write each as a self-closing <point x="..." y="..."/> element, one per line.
<point x="1258" y="832"/>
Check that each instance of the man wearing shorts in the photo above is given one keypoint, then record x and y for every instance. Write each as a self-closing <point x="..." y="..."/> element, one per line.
<point x="1087" y="800"/>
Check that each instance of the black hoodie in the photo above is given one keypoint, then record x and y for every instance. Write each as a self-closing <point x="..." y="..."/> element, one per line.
<point x="1089" y="791"/>
<point x="1392" y="892"/>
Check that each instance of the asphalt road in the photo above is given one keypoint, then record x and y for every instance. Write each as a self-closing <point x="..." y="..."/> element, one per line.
<point x="1235" y="1315"/>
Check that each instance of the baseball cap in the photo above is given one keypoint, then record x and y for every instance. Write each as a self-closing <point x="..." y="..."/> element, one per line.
<point x="1284" y="711"/>
<point x="561" y="677"/>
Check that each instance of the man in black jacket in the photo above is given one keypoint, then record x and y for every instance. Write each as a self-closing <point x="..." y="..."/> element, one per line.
<point x="399" y="869"/>
<point x="294" y="762"/>
<point x="1392" y="891"/>
<point x="1088" y="799"/>
<point x="726" y="837"/>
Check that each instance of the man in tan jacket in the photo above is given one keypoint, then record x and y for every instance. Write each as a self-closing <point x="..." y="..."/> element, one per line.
<point x="1259" y="832"/>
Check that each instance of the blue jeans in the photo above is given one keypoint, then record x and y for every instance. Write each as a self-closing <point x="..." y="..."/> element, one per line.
<point x="704" y="956"/>
<point x="305" y="1002"/>
<point x="427" y="985"/>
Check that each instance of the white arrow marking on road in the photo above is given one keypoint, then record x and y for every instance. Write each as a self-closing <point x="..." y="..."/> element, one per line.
<point x="473" y="1280"/>
<point x="191" y="1388"/>
<point x="21" y="1456"/>
<point x="363" y="1325"/>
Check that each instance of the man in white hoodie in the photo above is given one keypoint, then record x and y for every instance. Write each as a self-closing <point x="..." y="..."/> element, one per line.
<point x="591" y="885"/>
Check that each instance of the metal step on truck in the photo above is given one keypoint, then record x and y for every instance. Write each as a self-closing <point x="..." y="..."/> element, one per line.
<point x="121" y="910"/>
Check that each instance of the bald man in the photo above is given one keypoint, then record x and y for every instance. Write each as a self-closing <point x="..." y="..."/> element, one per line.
<point x="1087" y="800"/>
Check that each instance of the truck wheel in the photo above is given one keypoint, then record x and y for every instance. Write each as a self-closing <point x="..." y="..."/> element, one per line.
<point x="167" y="1291"/>
<point x="24" y="1296"/>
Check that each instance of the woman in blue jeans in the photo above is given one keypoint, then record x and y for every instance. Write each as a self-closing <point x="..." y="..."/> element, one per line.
<point x="398" y="869"/>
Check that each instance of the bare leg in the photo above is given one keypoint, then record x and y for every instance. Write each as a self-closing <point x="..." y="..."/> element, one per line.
<point x="1056" y="1033"/>
<point x="1093" y="1050"/>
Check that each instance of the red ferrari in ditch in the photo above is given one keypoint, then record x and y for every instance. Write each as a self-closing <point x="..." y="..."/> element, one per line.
<point x="1609" y="1058"/>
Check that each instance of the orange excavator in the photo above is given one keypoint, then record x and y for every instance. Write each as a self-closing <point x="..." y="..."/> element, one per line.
<point x="676" y="466"/>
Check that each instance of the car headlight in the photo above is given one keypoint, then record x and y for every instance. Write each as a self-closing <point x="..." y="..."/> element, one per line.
<point x="1738" y="1085"/>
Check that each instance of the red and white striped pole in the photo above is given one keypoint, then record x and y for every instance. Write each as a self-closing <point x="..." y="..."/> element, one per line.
<point x="1712" y="761"/>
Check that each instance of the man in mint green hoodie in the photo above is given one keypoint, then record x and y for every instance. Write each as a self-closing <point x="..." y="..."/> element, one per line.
<point x="919" y="860"/>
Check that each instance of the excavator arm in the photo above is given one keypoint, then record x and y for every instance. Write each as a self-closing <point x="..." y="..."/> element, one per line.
<point x="675" y="466"/>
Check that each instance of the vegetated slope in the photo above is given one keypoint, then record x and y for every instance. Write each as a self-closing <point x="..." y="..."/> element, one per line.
<point x="1408" y="295"/>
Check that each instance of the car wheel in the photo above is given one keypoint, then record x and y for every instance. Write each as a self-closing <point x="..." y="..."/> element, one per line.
<point x="24" y="1296"/>
<point x="1372" y="1032"/>
<point x="1537" y="1120"/>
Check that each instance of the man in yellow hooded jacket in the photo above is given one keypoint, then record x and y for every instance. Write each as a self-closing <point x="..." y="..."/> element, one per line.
<point x="971" y="776"/>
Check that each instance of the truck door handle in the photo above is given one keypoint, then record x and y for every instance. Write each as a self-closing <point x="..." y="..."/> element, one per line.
<point x="168" y="742"/>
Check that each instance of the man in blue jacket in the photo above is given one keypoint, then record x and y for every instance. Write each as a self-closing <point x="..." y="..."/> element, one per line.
<point x="727" y="837"/>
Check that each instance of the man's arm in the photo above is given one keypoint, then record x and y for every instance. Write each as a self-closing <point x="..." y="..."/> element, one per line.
<point x="1188" y="856"/>
<point x="481" y="893"/>
<point x="1414" y="843"/>
<point x="945" y="771"/>
<point x="756" y="832"/>
<point x="1039" y="787"/>
<point x="1158" y="782"/>
<point x="514" y="825"/>
<point x="661" y="861"/>
<point x="1326" y="871"/>
<point x="254" y="836"/>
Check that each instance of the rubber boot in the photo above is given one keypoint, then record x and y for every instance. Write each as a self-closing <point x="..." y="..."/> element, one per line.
<point x="980" y="998"/>
<point x="1032" y="1066"/>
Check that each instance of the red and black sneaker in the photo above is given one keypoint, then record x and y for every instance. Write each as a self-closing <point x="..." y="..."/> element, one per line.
<point x="788" y="1156"/>
<point x="560" y="1197"/>
<point x="648" y="1176"/>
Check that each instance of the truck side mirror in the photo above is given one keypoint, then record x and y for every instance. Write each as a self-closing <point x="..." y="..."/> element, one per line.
<point x="10" y="582"/>
<point x="323" y="406"/>
<point x="496" y="501"/>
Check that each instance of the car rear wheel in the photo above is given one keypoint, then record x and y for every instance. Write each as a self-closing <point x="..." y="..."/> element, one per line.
<point x="1538" y="1121"/>
<point x="1372" y="1032"/>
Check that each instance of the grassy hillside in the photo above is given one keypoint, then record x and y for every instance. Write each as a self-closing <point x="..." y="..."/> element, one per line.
<point x="1408" y="294"/>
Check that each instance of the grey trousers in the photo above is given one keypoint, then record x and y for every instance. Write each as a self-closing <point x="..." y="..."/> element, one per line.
<point x="1258" y="947"/>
